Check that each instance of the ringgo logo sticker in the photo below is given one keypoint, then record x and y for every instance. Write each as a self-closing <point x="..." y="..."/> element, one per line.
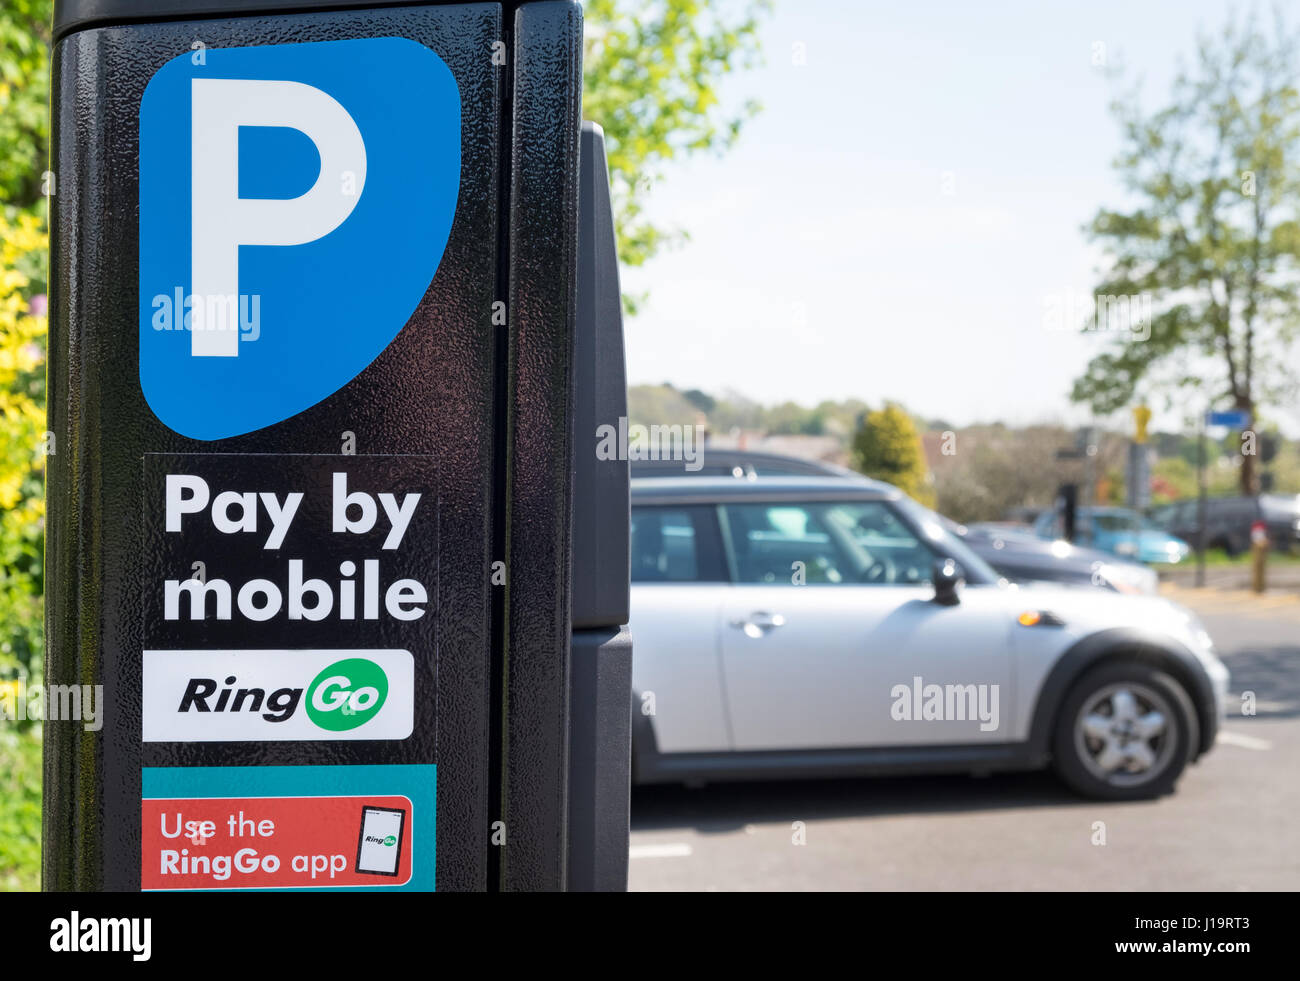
<point x="275" y="695"/>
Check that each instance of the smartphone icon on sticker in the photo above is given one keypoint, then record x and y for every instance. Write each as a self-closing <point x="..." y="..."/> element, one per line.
<point x="379" y="846"/>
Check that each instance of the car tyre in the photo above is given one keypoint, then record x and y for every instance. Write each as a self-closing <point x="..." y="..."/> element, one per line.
<point x="1125" y="731"/>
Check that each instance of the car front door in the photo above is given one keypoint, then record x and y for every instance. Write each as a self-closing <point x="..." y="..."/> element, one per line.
<point x="831" y="637"/>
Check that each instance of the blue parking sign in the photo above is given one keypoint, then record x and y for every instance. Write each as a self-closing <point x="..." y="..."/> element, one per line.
<point x="295" y="202"/>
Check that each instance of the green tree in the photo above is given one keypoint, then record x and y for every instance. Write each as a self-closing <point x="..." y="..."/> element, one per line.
<point x="651" y="76"/>
<point x="992" y="469"/>
<point x="661" y="405"/>
<point x="703" y="401"/>
<point x="792" y="419"/>
<point x="1172" y="479"/>
<point x="1213" y="238"/>
<point x="887" y="447"/>
<point x="24" y="83"/>
<point x="1286" y="468"/>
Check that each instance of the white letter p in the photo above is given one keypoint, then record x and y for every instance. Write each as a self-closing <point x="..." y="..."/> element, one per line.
<point x="222" y="221"/>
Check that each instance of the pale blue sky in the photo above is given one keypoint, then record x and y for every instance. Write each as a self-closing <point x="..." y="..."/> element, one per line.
<point x="825" y="259"/>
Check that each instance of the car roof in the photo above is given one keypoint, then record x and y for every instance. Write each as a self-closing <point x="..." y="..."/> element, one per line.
<point x="793" y="466"/>
<point x="756" y="455"/>
<point x="707" y="490"/>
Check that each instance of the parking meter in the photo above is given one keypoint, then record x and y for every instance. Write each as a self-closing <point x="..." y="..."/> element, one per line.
<point x="314" y="373"/>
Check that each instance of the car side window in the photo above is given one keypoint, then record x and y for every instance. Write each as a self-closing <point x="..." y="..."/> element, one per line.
<point x="894" y="555"/>
<point x="824" y="544"/>
<point x="679" y="544"/>
<point x="780" y="543"/>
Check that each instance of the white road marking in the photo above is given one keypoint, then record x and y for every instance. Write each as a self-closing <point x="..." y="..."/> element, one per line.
<point x="1244" y="742"/>
<point x="677" y="849"/>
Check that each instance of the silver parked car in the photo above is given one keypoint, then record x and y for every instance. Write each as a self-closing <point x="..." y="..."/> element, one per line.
<point x="817" y="626"/>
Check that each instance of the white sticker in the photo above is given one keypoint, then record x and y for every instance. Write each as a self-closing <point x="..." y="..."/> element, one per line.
<point x="277" y="695"/>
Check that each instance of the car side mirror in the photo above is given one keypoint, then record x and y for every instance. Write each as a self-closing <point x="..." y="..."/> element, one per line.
<point x="948" y="576"/>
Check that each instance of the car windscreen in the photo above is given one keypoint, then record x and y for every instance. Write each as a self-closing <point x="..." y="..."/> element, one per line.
<point x="932" y="526"/>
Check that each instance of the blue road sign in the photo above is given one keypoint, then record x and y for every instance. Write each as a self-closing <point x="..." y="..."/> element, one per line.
<point x="1232" y="418"/>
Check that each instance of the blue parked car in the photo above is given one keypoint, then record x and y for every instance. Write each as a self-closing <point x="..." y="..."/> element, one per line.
<point x="1119" y="531"/>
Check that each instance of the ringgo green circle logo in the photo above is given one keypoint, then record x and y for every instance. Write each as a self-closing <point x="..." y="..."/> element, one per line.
<point x="347" y="694"/>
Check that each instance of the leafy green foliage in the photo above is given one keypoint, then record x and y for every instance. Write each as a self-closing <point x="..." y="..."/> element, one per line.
<point x="887" y="447"/>
<point x="1213" y="237"/>
<point x="1172" y="479"/>
<point x="661" y="404"/>
<point x="20" y="809"/>
<point x="701" y="400"/>
<point x="24" y="82"/>
<point x="22" y="423"/>
<point x="651" y="77"/>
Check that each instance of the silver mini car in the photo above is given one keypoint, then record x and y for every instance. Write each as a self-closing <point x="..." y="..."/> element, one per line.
<point x="811" y="626"/>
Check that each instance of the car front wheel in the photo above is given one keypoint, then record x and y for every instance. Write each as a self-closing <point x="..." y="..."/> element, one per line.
<point x="1124" y="732"/>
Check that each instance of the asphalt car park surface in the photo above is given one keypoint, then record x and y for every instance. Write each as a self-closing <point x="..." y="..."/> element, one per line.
<point x="1230" y="826"/>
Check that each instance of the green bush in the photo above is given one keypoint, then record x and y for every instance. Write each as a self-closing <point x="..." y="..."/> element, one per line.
<point x="22" y="448"/>
<point x="20" y="808"/>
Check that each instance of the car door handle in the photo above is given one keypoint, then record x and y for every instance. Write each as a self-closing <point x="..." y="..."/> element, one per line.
<point x="758" y="623"/>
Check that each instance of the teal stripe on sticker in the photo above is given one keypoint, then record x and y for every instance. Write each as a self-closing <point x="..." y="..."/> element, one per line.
<point x="417" y="782"/>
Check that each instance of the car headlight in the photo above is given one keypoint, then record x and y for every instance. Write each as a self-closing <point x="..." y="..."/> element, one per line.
<point x="1197" y="629"/>
<point x="1135" y="580"/>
